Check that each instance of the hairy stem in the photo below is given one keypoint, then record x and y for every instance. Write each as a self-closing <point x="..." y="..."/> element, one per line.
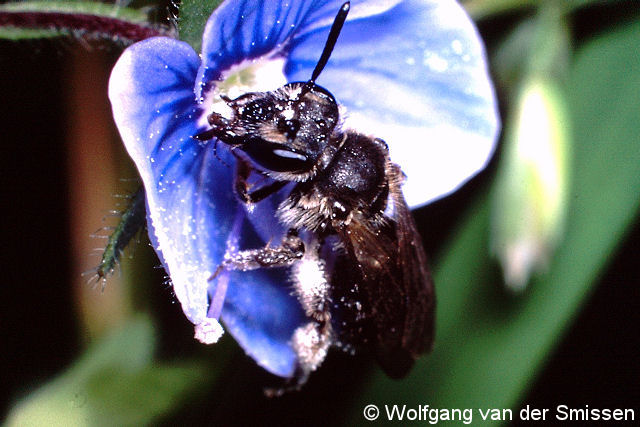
<point x="18" y="20"/>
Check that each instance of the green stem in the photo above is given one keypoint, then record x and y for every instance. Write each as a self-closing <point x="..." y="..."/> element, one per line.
<point x="88" y="19"/>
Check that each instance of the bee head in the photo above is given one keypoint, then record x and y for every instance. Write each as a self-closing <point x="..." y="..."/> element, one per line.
<point x="286" y="130"/>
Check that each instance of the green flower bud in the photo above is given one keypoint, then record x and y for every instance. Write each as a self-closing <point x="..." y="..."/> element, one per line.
<point x="531" y="193"/>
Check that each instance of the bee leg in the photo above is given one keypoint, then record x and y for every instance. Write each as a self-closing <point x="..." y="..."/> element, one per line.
<point x="312" y="340"/>
<point x="290" y="250"/>
<point x="311" y="343"/>
<point x="243" y="170"/>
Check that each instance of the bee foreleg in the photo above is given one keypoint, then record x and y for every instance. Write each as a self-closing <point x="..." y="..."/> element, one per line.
<point x="242" y="187"/>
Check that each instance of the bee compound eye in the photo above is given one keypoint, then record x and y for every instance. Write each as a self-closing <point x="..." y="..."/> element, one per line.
<point x="287" y="154"/>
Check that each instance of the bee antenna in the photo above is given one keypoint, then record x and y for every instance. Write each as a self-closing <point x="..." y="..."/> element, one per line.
<point x="338" y="22"/>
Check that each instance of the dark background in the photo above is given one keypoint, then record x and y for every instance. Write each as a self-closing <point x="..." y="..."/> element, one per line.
<point x="595" y="364"/>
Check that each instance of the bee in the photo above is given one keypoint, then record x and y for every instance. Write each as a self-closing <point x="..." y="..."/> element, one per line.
<point x="357" y="263"/>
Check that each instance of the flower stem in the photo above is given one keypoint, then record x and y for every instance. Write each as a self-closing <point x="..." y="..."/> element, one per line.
<point x="93" y="20"/>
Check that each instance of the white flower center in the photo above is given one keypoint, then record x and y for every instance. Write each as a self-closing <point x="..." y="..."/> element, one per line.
<point x="255" y="75"/>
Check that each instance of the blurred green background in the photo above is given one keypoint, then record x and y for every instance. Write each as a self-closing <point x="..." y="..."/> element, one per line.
<point x="74" y="354"/>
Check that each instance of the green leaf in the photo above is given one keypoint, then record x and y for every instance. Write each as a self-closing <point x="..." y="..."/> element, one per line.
<point x="193" y="17"/>
<point x="116" y="382"/>
<point x="490" y="344"/>
<point x="121" y="398"/>
<point x="481" y="9"/>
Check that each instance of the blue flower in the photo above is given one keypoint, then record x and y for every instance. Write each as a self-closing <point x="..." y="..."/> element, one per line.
<point x="412" y="72"/>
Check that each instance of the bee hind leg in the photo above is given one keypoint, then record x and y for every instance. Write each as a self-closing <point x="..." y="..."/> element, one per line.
<point x="312" y="340"/>
<point x="311" y="343"/>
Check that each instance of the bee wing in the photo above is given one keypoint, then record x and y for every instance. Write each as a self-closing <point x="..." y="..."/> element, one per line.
<point x="393" y="283"/>
<point x="417" y="282"/>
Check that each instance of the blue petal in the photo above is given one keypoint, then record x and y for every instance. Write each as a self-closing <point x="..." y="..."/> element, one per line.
<point x="190" y="208"/>
<point x="190" y="202"/>
<point x="416" y="76"/>
<point x="246" y="29"/>
<point x="263" y="318"/>
<point x="405" y="70"/>
<point x="412" y="72"/>
<point x="260" y="310"/>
